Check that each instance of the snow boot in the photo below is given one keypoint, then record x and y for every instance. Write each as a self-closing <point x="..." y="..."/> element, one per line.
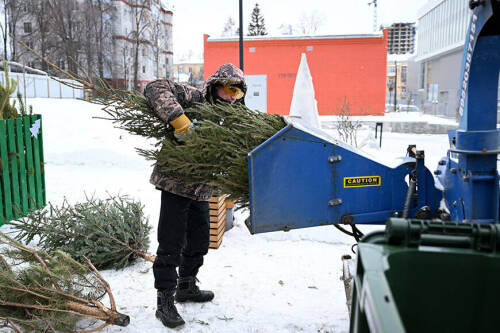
<point x="188" y="291"/>
<point x="166" y="310"/>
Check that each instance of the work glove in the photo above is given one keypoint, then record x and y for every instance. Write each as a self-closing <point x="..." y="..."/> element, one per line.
<point x="182" y="127"/>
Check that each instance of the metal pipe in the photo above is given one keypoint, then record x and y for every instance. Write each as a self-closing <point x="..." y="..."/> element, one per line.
<point x="409" y="196"/>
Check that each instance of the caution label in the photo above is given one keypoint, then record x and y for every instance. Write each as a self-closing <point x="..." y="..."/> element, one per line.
<point x="362" y="181"/>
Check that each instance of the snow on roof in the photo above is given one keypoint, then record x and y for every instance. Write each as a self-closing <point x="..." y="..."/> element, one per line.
<point x="288" y="37"/>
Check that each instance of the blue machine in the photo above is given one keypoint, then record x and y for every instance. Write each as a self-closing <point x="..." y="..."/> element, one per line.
<point x="302" y="177"/>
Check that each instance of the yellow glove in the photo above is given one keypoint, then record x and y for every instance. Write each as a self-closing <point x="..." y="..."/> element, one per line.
<point x="182" y="126"/>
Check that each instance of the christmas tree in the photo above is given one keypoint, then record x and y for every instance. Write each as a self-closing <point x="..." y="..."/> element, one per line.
<point x="50" y="292"/>
<point x="112" y="233"/>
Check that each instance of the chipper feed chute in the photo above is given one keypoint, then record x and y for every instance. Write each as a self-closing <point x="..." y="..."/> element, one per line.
<point x="302" y="177"/>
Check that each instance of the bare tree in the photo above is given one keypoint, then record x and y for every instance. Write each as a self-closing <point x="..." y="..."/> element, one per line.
<point x="15" y="10"/>
<point x="4" y="29"/>
<point x="286" y="29"/>
<point x="102" y="34"/>
<point x="43" y="37"/>
<point x="309" y="23"/>
<point x="126" y="61"/>
<point x="140" y="23"/>
<point x="65" y="14"/>
<point x="347" y="128"/>
<point x="157" y="42"/>
<point x="229" y="29"/>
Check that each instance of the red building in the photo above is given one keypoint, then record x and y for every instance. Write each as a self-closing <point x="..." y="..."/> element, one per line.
<point x="351" y="67"/>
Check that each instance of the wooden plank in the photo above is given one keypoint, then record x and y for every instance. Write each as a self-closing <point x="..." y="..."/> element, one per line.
<point x="216" y="231"/>
<point x="30" y="170"/>
<point x="7" y="199"/>
<point x="23" y="180"/>
<point x="221" y="220"/>
<point x="214" y="238"/>
<point x="217" y="212"/>
<point x="36" y="162"/>
<point x="14" y="177"/>
<point x="216" y="205"/>
<point x="215" y="245"/>
<point x="217" y="199"/>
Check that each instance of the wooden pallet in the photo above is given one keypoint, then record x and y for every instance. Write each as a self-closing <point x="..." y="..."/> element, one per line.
<point x="217" y="206"/>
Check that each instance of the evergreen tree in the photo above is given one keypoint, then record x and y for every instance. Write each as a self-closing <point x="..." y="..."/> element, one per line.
<point x="51" y="292"/>
<point x="112" y="233"/>
<point x="257" y="26"/>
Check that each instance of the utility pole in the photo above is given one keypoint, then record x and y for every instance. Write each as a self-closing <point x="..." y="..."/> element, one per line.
<point x="395" y="85"/>
<point x="241" y="35"/>
<point x="374" y="3"/>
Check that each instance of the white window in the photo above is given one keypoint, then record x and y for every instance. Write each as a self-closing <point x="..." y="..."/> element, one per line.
<point x="144" y="69"/>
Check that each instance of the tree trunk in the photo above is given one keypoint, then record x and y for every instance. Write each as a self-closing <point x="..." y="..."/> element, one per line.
<point x="136" y="64"/>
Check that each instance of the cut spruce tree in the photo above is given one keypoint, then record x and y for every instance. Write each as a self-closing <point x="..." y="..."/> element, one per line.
<point x="216" y="152"/>
<point x="111" y="232"/>
<point x="51" y="292"/>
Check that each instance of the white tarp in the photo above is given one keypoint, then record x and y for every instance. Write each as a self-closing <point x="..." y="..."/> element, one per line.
<point x="304" y="106"/>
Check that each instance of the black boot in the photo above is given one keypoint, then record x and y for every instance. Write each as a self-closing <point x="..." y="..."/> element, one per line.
<point x="188" y="291"/>
<point x="166" y="310"/>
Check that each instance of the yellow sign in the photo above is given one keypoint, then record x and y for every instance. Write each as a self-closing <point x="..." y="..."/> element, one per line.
<point x="362" y="181"/>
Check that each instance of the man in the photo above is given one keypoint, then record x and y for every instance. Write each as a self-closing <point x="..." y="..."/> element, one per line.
<point x="183" y="228"/>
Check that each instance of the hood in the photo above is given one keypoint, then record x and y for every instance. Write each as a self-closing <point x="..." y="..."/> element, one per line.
<point x="226" y="74"/>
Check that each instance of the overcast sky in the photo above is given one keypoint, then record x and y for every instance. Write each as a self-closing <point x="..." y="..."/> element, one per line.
<point x="193" y="18"/>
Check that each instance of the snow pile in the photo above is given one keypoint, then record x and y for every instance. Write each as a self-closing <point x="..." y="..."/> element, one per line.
<point x="304" y="106"/>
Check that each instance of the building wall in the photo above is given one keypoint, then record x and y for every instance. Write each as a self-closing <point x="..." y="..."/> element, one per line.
<point x="442" y="80"/>
<point x="124" y="43"/>
<point x="341" y="67"/>
<point x="435" y="75"/>
<point x="443" y="26"/>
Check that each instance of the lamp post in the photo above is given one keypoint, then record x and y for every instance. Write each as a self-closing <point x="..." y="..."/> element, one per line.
<point x="241" y="35"/>
<point x="395" y="85"/>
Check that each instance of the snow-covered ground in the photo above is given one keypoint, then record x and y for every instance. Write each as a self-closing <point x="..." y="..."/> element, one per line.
<point x="399" y="117"/>
<point x="275" y="282"/>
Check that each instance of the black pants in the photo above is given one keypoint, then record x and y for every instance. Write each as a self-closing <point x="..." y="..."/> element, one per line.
<point x="183" y="237"/>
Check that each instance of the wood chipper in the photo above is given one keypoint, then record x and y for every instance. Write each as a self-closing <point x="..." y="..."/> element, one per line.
<point x="436" y="266"/>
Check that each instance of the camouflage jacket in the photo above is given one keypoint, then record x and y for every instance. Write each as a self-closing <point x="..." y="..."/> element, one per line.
<point x="169" y="99"/>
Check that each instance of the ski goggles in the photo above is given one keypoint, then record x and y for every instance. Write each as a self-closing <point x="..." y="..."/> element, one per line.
<point x="233" y="91"/>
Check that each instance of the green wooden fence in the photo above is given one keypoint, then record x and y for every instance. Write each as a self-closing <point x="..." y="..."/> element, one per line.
<point x="22" y="177"/>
